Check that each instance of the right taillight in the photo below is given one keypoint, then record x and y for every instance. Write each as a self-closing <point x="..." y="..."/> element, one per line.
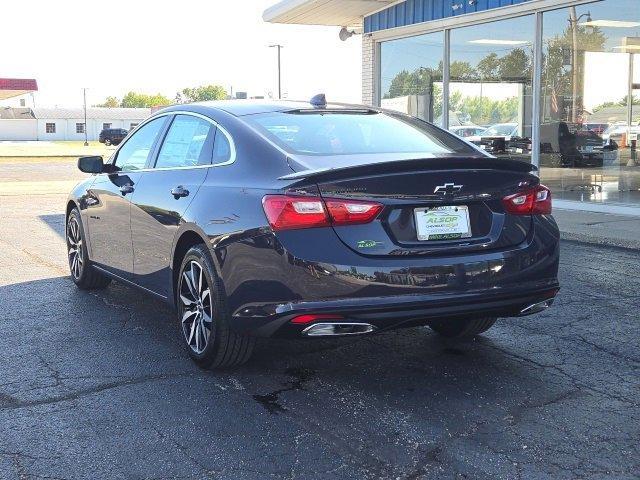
<point x="290" y="212"/>
<point x="532" y="201"/>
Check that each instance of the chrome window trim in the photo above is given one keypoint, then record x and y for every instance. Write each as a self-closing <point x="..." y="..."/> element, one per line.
<point x="232" y="145"/>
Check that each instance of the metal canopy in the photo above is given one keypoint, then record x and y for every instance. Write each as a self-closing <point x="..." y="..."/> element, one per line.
<point x="343" y="13"/>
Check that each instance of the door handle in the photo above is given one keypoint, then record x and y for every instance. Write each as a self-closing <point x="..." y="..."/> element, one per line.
<point x="179" y="191"/>
<point x="128" y="188"/>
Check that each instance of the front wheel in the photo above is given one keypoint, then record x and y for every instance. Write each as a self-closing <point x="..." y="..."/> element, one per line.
<point x="458" y="328"/>
<point x="203" y="315"/>
<point x="82" y="274"/>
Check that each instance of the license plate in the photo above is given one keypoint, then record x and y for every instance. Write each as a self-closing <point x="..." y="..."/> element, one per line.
<point x="443" y="223"/>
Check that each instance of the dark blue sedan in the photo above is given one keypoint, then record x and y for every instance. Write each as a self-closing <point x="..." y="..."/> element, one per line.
<point x="292" y="219"/>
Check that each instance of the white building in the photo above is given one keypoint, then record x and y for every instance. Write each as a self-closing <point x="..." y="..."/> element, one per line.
<point x="65" y="123"/>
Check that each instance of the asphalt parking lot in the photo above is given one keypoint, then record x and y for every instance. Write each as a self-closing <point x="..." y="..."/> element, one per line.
<point x="97" y="385"/>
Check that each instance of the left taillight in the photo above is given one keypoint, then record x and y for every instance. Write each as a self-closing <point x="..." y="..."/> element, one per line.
<point x="532" y="201"/>
<point x="289" y="212"/>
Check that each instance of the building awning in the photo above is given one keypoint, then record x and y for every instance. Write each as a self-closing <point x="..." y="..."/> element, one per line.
<point x="14" y="87"/>
<point x="342" y="13"/>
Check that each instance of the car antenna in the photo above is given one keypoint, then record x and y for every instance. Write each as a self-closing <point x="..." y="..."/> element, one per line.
<point x="319" y="101"/>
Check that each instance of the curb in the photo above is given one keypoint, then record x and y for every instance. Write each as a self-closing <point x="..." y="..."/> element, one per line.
<point x="627" y="245"/>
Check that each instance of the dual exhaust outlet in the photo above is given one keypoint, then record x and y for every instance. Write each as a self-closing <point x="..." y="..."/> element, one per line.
<point x="536" y="307"/>
<point x="339" y="329"/>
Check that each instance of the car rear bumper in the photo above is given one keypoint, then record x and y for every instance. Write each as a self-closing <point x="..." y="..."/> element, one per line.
<point x="269" y="280"/>
<point x="386" y="313"/>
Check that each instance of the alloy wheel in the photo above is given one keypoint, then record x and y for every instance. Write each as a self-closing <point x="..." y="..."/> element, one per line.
<point x="74" y="243"/>
<point x="196" y="306"/>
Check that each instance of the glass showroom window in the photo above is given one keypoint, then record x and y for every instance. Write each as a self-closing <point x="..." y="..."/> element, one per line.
<point x="491" y="87"/>
<point x="411" y="76"/>
<point x="591" y="102"/>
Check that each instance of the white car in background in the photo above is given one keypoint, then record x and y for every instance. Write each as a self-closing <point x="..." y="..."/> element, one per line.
<point x="466" y="131"/>
<point x="505" y="130"/>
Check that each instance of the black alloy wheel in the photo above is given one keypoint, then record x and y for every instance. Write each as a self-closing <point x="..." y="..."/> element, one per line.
<point x="203" y="316"/>
<point x="82" y="273"/>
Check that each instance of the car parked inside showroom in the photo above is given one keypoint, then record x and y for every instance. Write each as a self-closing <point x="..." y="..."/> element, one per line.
<point x="311" y="220"/>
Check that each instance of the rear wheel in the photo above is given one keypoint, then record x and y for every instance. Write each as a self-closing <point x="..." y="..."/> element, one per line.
<point x="203" y="315"/>
<point x="458" y="328"/>
<point x="82" y="274"/>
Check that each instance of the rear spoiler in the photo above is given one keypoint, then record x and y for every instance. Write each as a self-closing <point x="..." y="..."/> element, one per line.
<point x="425" y="164"/>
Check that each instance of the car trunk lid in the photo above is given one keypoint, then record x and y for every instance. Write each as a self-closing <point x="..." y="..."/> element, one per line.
<point x="466" y="191"/>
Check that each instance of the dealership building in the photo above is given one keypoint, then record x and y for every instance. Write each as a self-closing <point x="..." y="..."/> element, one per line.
<point x="551" y="82"/>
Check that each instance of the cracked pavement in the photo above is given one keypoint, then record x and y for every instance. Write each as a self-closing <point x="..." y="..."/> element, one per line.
<point x="98" y="385"/>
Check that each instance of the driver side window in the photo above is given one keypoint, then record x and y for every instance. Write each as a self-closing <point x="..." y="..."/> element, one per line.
<point x="134" y="153"/>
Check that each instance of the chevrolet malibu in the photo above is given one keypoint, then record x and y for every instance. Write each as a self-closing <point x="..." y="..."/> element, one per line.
<point x="295" y="219"/>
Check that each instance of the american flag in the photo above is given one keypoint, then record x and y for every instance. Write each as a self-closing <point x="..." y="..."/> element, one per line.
<point x="554" y="100"/>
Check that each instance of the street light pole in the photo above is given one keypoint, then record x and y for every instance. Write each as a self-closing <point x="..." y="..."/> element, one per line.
<point x="573" y="22"/>
<point x="86" y="139"/>
<point x="279" y="47"/>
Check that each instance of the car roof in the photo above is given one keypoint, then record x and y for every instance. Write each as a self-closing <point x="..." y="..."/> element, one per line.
<point x="251" y="107"/>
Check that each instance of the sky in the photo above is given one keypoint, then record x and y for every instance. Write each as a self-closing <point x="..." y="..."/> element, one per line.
<point x="114" y="47"/>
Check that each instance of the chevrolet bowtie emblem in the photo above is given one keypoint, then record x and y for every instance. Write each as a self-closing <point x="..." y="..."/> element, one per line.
<point x="448" y="189"/>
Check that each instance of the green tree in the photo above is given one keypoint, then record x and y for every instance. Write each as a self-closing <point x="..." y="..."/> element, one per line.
<point x="489" y="67"/>
<point x="203" y="93"/>
<point x="142" y="100"/>
<point x="516" y="66"/>
<point x="463" y="72"/>
<point x="110" y="102"/>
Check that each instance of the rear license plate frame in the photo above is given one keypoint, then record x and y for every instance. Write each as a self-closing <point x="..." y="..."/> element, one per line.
<point x="434" y="231"/>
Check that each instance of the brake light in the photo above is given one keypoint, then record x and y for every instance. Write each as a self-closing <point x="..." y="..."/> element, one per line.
<point x="288" y="212"/>
<point x="532" y="201"/>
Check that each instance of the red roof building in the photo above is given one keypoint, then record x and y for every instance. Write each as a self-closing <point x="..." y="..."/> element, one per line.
<point x="14" y="87"/>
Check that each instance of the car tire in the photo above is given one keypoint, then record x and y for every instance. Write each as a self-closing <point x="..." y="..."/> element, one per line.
<point x="82" y="273"/>
<point x="459" y="328"/>
<point x="203" y="316"/>
<point x="107" y="142"/>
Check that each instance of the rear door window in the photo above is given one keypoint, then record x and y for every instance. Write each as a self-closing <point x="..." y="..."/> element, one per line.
<point x="188" y="143"/>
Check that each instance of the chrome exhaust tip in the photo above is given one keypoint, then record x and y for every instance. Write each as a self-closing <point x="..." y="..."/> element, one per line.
<point x="536" y="307"/>
<point x="337" y="329"/>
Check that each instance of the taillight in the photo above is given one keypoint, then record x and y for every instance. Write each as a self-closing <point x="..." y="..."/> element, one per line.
<point x="288" y="212"/>
<point x="352" y="212"/>
<point x="532" y="201"/>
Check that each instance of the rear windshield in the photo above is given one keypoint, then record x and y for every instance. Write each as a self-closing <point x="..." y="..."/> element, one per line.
<point x="352" y="133"/>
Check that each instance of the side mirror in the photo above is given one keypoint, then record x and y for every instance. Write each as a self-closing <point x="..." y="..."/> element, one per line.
<point x="93" y="164"/>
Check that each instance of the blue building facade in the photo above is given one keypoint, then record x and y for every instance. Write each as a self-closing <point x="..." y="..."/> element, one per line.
<point x="411" y="12"/>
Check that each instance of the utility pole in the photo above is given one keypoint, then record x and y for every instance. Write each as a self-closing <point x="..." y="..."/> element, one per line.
<point x="86" y="139"/>
<point x="279" y="47"/>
